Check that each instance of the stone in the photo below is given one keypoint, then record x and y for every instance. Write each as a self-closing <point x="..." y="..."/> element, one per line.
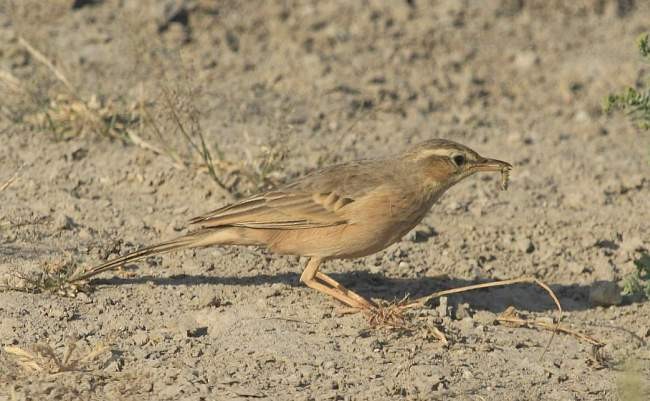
<point x="524" y="244"/>
<point x="83" y="297"/>
<point x="62" y="222"/>
<point x="631" y="244"/>
<point x="76" y="4"/>
<point x="421" y="233"/>
<point x="575" y="267"/>
<point x="466" y="326"/>
<point x="526" y="59"/>
<point x="462" y="311"/>
<point x="643" y="332"/>
<point x="140" y="338"/>
<point x="207" y="299"/>
<point x="443" y="307"/>
<point x="484" y="317"/>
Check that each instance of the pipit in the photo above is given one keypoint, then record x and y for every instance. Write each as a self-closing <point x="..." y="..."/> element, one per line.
<point x="344" y="211"/>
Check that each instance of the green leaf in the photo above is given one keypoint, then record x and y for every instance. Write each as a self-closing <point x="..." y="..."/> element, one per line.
<point x="644" y="45"/>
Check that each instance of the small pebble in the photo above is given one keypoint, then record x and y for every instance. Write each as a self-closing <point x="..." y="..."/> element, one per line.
<point x="62" y="222"/>
<point x="140" y="338"/>
<point x="115" y="366"/>
<point x="631" y="244"/>
<point x="526" y="59"/>
<point x="484" y="317"/>
<point x="525" y="245"/>
<point x="442" y="307"/>
<point x="576" y="268"/>
<point x="462" y="311"/>
<point x="273" y="291"/>
<point x="83" y="297"/>
<point x="421" y="233"/>
<point x="205" y="300"/>
<point x="466" y="325"/>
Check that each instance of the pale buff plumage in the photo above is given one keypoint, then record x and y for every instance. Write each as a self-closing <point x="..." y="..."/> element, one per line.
<point x="344" y="211"/>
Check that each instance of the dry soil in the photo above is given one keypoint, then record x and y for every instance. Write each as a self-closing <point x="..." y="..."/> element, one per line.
<point x="279" y="88"/>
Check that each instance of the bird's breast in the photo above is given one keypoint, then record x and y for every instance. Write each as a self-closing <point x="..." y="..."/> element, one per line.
<point x="380" y="221"/>
<point x="372" y="223"/>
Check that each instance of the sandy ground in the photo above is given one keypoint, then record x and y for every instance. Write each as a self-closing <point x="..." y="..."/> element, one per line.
<point x="280" y="88"/>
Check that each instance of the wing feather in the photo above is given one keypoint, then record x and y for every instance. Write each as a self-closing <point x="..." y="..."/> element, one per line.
<point x="289" y="210"/>
<point x="320" y="199"/>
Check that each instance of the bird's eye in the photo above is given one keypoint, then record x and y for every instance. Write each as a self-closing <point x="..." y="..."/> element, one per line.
<point x="459" y="160"/>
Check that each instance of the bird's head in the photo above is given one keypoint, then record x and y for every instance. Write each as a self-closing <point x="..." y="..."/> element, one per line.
<point x="443" y="163"/>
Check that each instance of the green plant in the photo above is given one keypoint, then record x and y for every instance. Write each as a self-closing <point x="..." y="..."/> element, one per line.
<point x="634" y="102"/>
<point x="644" y="45"/>
<point x="637" y="284"/>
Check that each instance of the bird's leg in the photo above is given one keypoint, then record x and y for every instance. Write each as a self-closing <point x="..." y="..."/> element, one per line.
<point x="338" y="286"/>
<point x="311" y="276"/>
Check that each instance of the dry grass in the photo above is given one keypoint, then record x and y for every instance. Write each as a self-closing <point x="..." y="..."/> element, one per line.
<point x="11" y="85"/>
<point x="513" y="318"/>
<point x="42" y="358"/>
<point x="388" y="314"/>
<point x="3" y="187"/>
<point x="263" y="170"/>
<point x="169" y="126"/>
<point x="10" y="180"/>
<point x="54" y="277"/>
<point x="64" y="112"/>
<point x="392" y="314"/>
<point x="67" y="116"/>
<point x="166" y="123"/>
<point x="175" y="120"/>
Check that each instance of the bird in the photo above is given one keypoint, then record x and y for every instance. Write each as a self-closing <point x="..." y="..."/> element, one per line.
<point x="344" y="211"/>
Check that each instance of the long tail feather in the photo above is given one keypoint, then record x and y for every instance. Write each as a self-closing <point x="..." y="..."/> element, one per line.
<point x="187" y="241"/>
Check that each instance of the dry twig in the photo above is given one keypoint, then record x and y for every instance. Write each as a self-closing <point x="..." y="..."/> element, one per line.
<point x="11" y="180"/>
<point x="511" y="317"/>
<point x="43" y="59"/>
<point x="391" y="315"/>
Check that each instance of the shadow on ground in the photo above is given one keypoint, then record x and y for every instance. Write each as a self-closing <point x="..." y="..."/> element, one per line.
<point x="529" y="297"/>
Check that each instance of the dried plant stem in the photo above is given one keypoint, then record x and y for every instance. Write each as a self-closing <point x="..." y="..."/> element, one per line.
<point x="196" y="129"/>
<point x="420" y="302"/>
<point x="523" y="280"/>
<point x="43" y="358"/>
<point x="11" y="180"/>
<point x="41" y="57"/>
<point x="439" y="335"/>
<point x="547" y="326"/>
<point x="11" y="81"/>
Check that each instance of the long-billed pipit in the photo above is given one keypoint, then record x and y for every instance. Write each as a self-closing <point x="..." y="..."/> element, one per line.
<point x="344" y="211"/>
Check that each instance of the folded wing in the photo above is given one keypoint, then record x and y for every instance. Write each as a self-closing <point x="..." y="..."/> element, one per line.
<point x="321" y="199"/>
<point x="280" y="209"/>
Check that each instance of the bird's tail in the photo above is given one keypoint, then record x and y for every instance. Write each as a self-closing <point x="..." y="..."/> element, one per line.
<point x="192" y="240"/>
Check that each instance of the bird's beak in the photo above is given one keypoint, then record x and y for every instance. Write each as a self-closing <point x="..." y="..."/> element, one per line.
<point x="491" y="165"/>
